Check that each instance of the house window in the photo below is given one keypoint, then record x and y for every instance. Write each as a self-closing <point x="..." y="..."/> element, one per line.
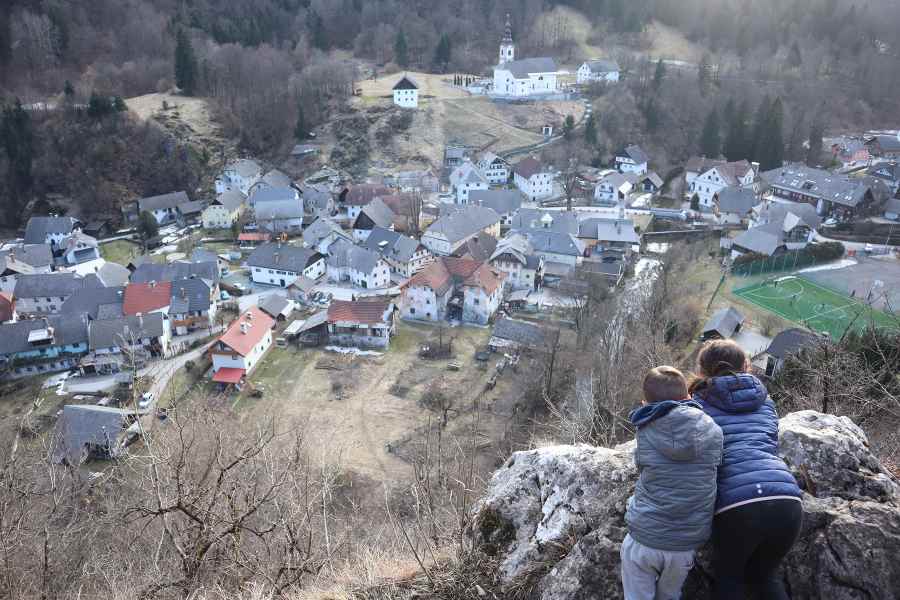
<point x="476" y="301"/>
<point x="412" y="311"/>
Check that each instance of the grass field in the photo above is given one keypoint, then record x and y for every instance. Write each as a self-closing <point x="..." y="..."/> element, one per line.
<point x="814" y="306"/>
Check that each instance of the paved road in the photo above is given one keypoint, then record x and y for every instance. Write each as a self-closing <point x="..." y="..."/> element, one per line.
<point x="858" y="246"/>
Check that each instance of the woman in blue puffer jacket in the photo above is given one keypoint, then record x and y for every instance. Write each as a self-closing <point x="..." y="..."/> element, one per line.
<point x="758" y="511"/>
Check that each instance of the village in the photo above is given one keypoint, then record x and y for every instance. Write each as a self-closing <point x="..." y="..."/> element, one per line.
<point x="332" y="287"/>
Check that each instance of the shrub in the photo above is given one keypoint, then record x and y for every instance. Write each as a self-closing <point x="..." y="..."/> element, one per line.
<point x="189" y="365"/>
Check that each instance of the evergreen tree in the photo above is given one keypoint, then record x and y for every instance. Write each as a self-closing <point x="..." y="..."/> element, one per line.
<point x="568" y="126"/>
<point x="659" y="75"/>
<point x="760" y="122"/>
<point x="316" y="30"/>
<point x="794" y="57"/>
<point x="794" y="150"/>
<point x="736" y="145"/>
<point x="300" y="131"/>
<point x="710" y="143"/>
<point x="703" y="70"/>
<point x="443" y="52"/>
<point x="99" y="106"/>
<point x="185" y="64"/>
<point x="119" y="104"/>
<point x="814" y="152"/>
<point x="147" y="226"/>
<point x="401" y="51"/>
<point x="69" y="91"/>
<point x="17" y="137"/>
<point x="774" y="155"/>
<point x="651" y="115"/>
<point x="590" y="131"/>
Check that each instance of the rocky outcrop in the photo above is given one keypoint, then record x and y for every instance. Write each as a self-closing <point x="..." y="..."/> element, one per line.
<point x="555" y="518"/>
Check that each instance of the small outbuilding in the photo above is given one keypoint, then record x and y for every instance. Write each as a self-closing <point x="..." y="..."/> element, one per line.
<point x="406" y="93"/>
<point x="722" y="325"/>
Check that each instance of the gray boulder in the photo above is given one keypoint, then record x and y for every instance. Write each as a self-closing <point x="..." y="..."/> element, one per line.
<point x="554" y="517"/>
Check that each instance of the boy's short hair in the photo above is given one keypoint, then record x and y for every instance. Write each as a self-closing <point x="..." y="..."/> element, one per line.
<point x="664" y="383"/>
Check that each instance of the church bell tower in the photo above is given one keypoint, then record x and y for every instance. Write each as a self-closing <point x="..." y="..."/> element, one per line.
<point x="507" y="46"/>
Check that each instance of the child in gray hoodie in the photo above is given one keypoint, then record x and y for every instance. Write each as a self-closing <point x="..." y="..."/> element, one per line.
<point x="669" y="516"/>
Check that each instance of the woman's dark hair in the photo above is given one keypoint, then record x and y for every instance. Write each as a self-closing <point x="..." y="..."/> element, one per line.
<point x="717" y="358"/>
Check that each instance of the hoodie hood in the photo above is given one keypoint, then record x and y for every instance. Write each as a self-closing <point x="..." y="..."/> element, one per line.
<point x="734" y="393"/>
<point x="674" y="436"/>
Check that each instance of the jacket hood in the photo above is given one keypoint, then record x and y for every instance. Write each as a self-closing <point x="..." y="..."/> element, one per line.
<point x="674" y="436"/>
<point x="734" y="393"/>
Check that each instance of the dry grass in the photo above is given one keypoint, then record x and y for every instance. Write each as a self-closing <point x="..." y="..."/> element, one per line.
<point x="193" y="112"/>
<point x="431" y="86"/>
<point x="669" y="43"/>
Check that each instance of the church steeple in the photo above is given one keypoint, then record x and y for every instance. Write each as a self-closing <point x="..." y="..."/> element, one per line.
<point x="507" y="46"/>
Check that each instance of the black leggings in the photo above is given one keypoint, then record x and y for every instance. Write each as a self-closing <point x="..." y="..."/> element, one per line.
<point x="750" y="542"/>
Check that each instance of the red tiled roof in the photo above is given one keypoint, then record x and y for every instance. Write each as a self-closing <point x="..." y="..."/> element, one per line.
<point x="147" y="297"/>
<point x="369" y="312"/>
<point x="254" y="237"/>
<point x="363" y="193"/>
<point x="7" y="306"/>
<point x="228" y="375"/>
<point x="527" y="167"/>
<point x="464" y="271"/>
<point x="259" y="324"/>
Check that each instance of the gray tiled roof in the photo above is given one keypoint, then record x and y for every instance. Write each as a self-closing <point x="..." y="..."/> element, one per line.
<point x="555" y="220"/>
<point x="467" y="173"/>
<point x="320" y="229"/>
<point x="609" y="230"/>
<point x="274" y="305"/>
<point x="522" y="68"/>
<point x="503" y="202"/>
<point x="553" y="242"/>
<point x="740" y="200"/>
<point x="391" y="244"/>
<point x="378" y="212"/>
<point x="35" y="255"/>
<point x="276" y="178"/>
<point x="778" y="212"/>
<point x="49" y="285"/>
<point x="191" y="208"/>
<point x="464" y="222"/>
<point x="724" y="322"/>
<point x="283" y="257"/>
<point x="635" y="153"/>
<point x="67" y="330"/>
<point x="148" y="272"/>
<point x="245" y="167"/>
<point x="116" y="332"/>
<point x="791" y="341"/>
<point x="520" y="332"/>
<point x="113" y="274"/>
<point x="80" y="426"/>
<point x="38" y="227"/>
<point x="189" y="295"/>
<point x="760" y="240"/>
<point x="230" y="199"/>
<point x="405" y="83"/>
<point x="265" y="194"/>
<point x="358" y="258"/>
<point x="602" y="66"/>
<point x="163" y="201"/>
<point x="818" y="183"/>
<point x="516" y="245"/>
<point x="273" y="210"/>
<point x="89" y="301"/>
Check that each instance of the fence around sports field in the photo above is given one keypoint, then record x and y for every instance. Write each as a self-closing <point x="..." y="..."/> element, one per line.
<point x="790" y="261"/>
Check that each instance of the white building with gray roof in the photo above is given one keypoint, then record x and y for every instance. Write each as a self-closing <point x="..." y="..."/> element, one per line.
<point x="43" y="294"/>
<point x="239" y="175"/>
<point x="45" y="345"/>
<point x="503" y="202"/>
<point x="453" y="229"/>
<point x="405" y="256"/>
<point x="280" y="264"/>
<point x="465" y="179"/>
<point x="349" y="263"/>
<point x="598" y="70"/>
<point x="526" y="77"/>
<point x="50" y="230"/>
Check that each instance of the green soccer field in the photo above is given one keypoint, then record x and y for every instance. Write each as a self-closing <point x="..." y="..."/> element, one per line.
<point x="814" y="306"/>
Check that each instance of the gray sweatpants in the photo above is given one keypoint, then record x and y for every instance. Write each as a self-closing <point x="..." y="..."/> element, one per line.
<point x="651" y="574"/>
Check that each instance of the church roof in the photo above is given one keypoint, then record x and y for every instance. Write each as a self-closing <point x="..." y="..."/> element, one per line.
<point x="523" y="68"/>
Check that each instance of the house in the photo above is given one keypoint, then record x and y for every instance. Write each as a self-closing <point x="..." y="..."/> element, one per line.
<point x="789" y="342"/>
<point x="89" y="432"/>
<point x="648" y="183"/>
<point x="465" y="179"/>
<point x="534" y="181"/>
<point x="248" y="240"/>
<point x="847" y="150"/>
<point x="352" y="199"/>
<point x="207" y="271"/>
<point x="704" y="178"/>
<point x="164" y="207"/>
<point x="632" y="160"/>
<point x="50" y="230"/>
<point x="889" y="173"/>
<point x="358" y="266"/>
<point x="503" y="202"/>
<point x="555" y="247"/>
<point x="455" y="155"/>
<point x="733" y="205"/>
<point x="37" y="256"/>
<point x="280" y="216"/>
<point x="513" y="335"/>
<point x="95" y="303"/>
<point x="277" y="307"/>
<point x="238" y="351"/>
<point x="722" y="325"/>
<point x="192" y="306"/>
<point x="777" y="228"/>
<point x="302" y="150"/>
<point x="262" y="194"/>
<point x="272" y="179"/>
<point x="46" y="345"/>
<point x="361" y="322"/>
<point x="479" y="247"/>
<point x="561" y="221"/>
<point x="613" y="188"/>
<point x="99" y="228"/>
<point x="310" y="332"/>
<point x="190" y="213"/>
<point x="280" y="264"/>
<point x="602" y="235"/>
<point x="453" y="288"/>
<point x="78" y="248"/>
<point x="317" y="200"/>
<point x="302" y="289"/>
<point x="117" y="343"/>
<point x="146" y="298"/>
<point x="407" y="209"/>
<point x="515" y="256"/>
<point x="44" y="293"/>
<point x="405" y="256"/>
<point x="603" y="71"/>
<point x="526" y="77"/>
<point x="10" y="270"/>
<point x="112" y="274"/>
<point x="239" y="175"/>
<point x="417" y="181"/>
<point x="892" y="209"/>
<point x="884" y="146"/>
<point x="831" y="193"/>
<point x="607" y="266"/>
<point x="494" y="168"/>
<point x="406" y="93"/>
<point x="225" y="210"/>
<point x="322" y="233"/>
<point x="374" y="214"/>
<point x="449" y="232"/>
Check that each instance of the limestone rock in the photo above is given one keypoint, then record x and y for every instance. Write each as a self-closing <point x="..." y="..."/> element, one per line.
<point x="555" y="518"/>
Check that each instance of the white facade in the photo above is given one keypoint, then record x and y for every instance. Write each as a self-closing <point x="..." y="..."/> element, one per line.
<point x="421" y="303"/>
<point x="536" y="187"/>
<point x="420" y="259"/>
<point x="612" y="190"/>
<point x="709" y="183"/>
<point x="506" y="84"/>
<point x="479" y="306"/>
<point x="283" y="278"/>
<point x="627" y="165"/>
<point x="439" y="244"/>
<point x="239" y="175"/>
<point x="43" y="305"/>
<point x="586" y="75"/>
<point x="378" y="277"/>
<point x="406" y="98"/>
<point x="236" y="361"/>
<point x="467" y="178"/>
<point x="518" y="276"/>
<point x="494" y="169"/>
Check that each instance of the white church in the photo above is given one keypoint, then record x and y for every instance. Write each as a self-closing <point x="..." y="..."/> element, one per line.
<point x="525" y="77"/>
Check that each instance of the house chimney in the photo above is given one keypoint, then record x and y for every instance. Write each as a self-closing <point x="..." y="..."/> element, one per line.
<point x="183" y="293"/>
<point x="275" y="256"/>
<point x="152" y="284"/>
<point x="244" y="328"/>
